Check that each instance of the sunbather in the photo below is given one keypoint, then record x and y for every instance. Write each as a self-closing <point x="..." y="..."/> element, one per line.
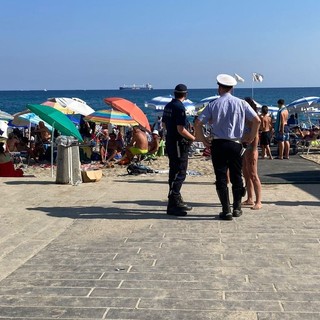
<point x="137" y="146"/>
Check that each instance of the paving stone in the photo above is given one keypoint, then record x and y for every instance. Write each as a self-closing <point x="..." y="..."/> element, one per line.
<point x="144" y="314"/>
<point x="122" y="257"/>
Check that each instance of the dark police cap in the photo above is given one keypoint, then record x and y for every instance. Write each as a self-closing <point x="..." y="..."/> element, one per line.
<point x="181" y="88"/>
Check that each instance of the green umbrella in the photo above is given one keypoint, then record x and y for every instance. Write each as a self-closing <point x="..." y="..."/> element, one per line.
<point x="56" y="119"/>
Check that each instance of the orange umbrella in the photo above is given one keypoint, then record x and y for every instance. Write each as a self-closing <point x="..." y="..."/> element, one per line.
<point x="130" y="109"/>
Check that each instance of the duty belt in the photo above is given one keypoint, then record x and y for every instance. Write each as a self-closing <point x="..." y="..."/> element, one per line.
<point x="233" y="140"/>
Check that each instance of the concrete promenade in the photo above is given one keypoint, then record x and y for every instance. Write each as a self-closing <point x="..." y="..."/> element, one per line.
<point x="107" y="250"/>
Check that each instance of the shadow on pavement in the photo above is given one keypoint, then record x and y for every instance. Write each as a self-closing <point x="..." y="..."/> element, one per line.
<point x="122" y="213"/>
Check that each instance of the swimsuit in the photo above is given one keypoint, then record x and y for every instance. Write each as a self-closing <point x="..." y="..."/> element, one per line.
<point x="136" y="151"/>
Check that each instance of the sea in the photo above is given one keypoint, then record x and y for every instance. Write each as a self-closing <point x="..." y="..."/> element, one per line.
<point x="16" y="101"/>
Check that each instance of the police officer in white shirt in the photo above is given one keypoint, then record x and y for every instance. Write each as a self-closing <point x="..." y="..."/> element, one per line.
<point x="227" y="116"/>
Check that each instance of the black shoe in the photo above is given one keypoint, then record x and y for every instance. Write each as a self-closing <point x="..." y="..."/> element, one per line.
<point x="183" y="205"/>
<point x="225" y="216"/>
<point x="236" y="213"/>
<point x="176" y="211"/>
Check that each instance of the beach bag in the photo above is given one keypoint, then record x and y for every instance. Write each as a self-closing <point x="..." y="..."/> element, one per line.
<point x="136" y="168"/>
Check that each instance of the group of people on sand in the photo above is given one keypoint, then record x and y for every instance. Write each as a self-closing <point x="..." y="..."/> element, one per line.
<point x="20" y="144"/>
<point x="120" y="146"/>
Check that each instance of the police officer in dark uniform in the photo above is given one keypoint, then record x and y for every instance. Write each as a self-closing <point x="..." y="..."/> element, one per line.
<point x="178" y="140"/>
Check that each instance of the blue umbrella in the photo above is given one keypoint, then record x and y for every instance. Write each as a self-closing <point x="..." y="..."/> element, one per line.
<point x="205" y="101"/>
<point x="158" y="103"/>
<point x="301" y="104"/>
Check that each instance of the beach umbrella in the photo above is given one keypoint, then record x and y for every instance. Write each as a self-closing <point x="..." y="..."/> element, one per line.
<point x="57" y="106"/>
<point x="112" y="116"/>
<point x="3" y="130"/>
<point x="204" y="102"/>
<point x="76" y="105"/>
<point x="5" y="116"/>
<point x="302" y="104"/>
<point x="158" y="103"/>
<point x="26" y="118"/>
<point x="130" y="109"/>
<point x="58" y="121"/>
<point x="315" y="105"/>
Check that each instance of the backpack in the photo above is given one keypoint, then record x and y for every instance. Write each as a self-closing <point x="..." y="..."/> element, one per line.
<point x="135" y="169"/>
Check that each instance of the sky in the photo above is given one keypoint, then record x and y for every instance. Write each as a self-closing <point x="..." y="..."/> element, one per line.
<point x="103" y="44"/>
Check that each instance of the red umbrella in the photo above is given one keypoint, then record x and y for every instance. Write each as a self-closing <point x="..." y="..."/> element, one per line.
<point x="130" y="109"/>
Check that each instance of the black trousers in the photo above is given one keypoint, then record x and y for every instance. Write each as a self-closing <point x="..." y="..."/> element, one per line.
<point x="178" y="164"/>
<point x="226" y="155"/>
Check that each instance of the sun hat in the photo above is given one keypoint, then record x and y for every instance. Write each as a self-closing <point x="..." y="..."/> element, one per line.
<point x="226" y="80"/>
<point x="181" y="88"/>
<point x="155" y="132"/>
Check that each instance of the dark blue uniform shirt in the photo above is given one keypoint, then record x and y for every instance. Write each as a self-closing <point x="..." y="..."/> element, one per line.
<point x="174" y="114"/>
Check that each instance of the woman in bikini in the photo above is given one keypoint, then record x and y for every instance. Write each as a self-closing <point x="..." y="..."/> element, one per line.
<point x="250" y="168"/>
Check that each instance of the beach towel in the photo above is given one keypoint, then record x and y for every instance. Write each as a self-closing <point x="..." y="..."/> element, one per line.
<point x="277" y="124"/>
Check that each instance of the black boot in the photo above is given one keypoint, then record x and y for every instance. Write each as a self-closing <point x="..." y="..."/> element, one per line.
<point x="223" y="195"/>
<point x="182" y="203"/>
<point x="175" y="206"/>
<point x="237" y="196"/>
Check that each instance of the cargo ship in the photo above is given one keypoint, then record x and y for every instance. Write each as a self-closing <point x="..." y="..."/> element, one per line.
<point x="147" y="86"/>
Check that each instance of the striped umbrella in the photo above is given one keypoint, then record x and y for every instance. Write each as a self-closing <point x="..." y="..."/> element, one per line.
<point x="57" y="106"/>
<point x="158" y="104"/>
<point x="204" y="102"/>
<point x="301" y="104"/>
<point x="5" y="116"/>
<point x="111" y="116"/>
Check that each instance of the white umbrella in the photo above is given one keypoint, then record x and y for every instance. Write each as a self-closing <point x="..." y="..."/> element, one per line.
<point x="74" y="104"/>
<point x="205" y="101"/>
<point x="158" y="104"/>
<point x="3" y="130"/>
<point x="5" y="116"/>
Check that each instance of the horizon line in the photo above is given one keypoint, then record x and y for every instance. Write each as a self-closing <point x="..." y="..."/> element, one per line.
<point x="249" y="88"/>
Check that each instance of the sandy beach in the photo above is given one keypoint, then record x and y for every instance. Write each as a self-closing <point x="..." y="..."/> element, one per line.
<point x="198" y="165"/>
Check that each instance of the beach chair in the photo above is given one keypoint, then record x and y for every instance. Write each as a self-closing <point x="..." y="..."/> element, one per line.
<point x="311" y="145"/>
